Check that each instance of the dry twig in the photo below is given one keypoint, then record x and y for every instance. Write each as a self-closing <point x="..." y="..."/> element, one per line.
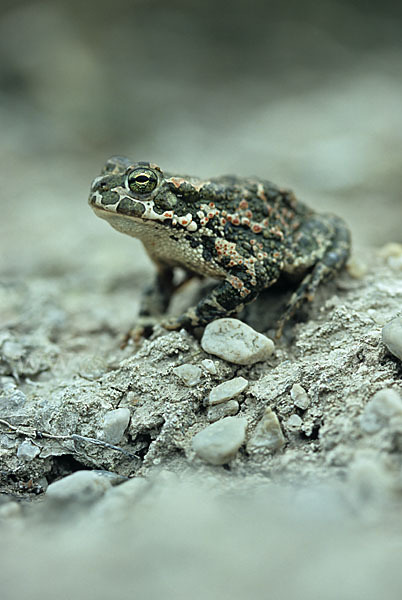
<point x="33" y="433"/>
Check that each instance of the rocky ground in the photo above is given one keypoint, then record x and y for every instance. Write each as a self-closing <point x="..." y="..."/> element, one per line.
<point x="294" y="463"/>
<point x="134" y="410"/>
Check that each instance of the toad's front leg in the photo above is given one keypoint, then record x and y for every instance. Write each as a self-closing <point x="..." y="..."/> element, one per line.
<point x="156" y="297"/>
<point x="155" y="301"/>
<point x="227" y="298"/>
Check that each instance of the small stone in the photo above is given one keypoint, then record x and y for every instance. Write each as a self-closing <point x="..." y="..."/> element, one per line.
<point x="189" y="374"/>
<point x="12" y="350"/>
<point x="92" y="367"/>
<point x="391" y="249"/>
<point x="82" y="486"/>
<point x="218" y="443"/>
<point x="42" y="484"/>
<point x="119" y="500"/>
<point x="27" y="451"/>
<point x="384" y="405"/>
<point x="299" y="396"/>
<point x="220" y="411"/>
<point x="236" y="342"/>
<point x="268" y="433"/>
<point x="395" y="263"/>
<point x="308" y="427"/>
<point x="10" y="510"/>
<point x="12" y="398"/>
<point x="115" y="423"/>
<point x="369" y="480"/>
<point x="294" y="422"/>
<point x="227" y="390"/>
<point x="115" y="478"/>
<point x="130" y="489"/>
<point x="356" y="268"/>
<point x="209" y="366"/>
<point x="392" y="336"/>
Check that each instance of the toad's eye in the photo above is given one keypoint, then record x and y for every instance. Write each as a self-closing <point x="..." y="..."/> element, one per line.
<point x="142" y="181"/>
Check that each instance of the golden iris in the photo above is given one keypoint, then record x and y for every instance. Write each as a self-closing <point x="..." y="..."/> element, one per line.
<point x="142" y="181"/>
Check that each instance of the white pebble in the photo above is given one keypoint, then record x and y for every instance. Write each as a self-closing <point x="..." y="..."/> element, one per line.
<point x="227" y="390"/>
<point x="27" y="451"/>
<point x="115" y="423"/>
<point x="120" y="499"/>
<point x="268" y="433"/>
<point x="377" y="413"/>
<point x="370" y="483"/>
<point x="10" y="510"/>
<point x="218" y="443"/>
<point x="209" y="366"/>
<point x="356" y="268"/>
<point x="236" y="342"/>
<point x="82" y="486"/>
<point x="12" y="350"/>
<point x="391" y="249"/>
<point x="395" y="263"/>
<point x="299" y="396"/>
<point x="392" y="336"/>
<point x="294" y="422"/>
<point x="189" y="374"/>
<point x="220" y="411"/>
<point x="92" y="367"/>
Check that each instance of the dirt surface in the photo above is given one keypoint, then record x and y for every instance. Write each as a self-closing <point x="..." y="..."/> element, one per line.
<point x="63" y="371"/>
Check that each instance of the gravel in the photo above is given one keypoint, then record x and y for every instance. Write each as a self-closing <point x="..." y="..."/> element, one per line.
<point x="189" y="374"/>
<point x="227" y="390"/>
<point x="81" y="486"/>
<point x="378" y="412"/>
<point x="219" y="411"/>
<point x="209" y="366"/>
<point x="294" y="422"/>
<point x="218" y="443"/>
<point x="115" y="423"/>
<point x="392" y="336"/>
<point x="27" y="450"/>
<point x="268" y="433"/>
<point x="236" y="342"/>
<point x="299" y="396"/>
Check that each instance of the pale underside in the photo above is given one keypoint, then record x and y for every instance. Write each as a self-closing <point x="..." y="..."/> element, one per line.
<point x="164" y="245"/>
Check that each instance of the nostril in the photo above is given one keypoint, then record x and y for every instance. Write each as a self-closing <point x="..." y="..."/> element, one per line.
<point x="101" y="191"/>
<point x="100" y="186"/>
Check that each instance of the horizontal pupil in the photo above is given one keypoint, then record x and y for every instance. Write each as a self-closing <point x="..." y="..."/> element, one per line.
<point x="142" y="179"/>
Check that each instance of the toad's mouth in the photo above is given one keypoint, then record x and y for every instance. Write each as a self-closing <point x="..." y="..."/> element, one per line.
<point x="138" y="211"/>
<point x="117" y="204"/>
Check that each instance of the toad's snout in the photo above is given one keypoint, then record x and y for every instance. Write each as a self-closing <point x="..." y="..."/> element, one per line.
<point x="100" y="184"/>
<point x="101" y="193"/>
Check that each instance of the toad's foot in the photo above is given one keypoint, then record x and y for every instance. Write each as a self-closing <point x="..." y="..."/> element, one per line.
<point x="143" y="329"/>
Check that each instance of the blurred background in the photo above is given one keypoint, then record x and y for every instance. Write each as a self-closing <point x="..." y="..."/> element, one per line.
<point x="307" y="94"/>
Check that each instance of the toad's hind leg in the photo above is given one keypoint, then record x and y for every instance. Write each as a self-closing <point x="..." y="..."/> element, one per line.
<point x="325" y="266"/>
